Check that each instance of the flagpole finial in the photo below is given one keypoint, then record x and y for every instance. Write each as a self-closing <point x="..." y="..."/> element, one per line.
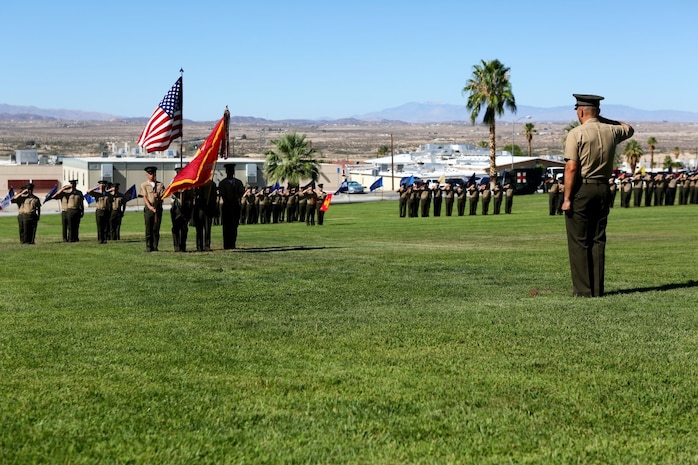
<point x="181" y="70"/>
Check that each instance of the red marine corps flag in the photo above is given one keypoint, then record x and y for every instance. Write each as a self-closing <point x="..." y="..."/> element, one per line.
<point x="166" y="123"/>
<point x="200" y="169"/>
<point x="326" y="204"/>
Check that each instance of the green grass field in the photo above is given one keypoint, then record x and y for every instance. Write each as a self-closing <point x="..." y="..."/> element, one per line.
<point x="371" y="339"/>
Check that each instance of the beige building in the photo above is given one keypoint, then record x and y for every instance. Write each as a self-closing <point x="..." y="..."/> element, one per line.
<point x="44" y="177"/>
<point x="128" y="171"/>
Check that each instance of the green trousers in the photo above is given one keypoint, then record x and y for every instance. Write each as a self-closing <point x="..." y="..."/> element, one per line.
<point x="586" y="238"/>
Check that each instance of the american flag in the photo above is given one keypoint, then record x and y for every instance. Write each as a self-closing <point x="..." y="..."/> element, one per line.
<point x="166" y="123"/>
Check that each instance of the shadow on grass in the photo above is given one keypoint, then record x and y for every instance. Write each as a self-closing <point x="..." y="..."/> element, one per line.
<point x="663" y="287"/>
<point x="284" y="248"/>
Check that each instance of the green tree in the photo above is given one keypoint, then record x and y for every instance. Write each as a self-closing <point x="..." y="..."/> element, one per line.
<point x="632" y="153"/>
<point x="516" y="150"/>
<point x="652" y="142"/>
<point x="291" y="160"/>
<point x="489" y="86"/>
<point x="567" y="130"/>
<point x="668" y="163"/>
<point x="382" y="150"/>
<point x="529" y="131"/>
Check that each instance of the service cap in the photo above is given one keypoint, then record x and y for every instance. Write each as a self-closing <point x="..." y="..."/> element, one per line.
<point x="230" y="166"/>
<point x="28" y="186"/>
<point x="73" y="181"/>
<point x="587" y="100"/>
<point x="103" y="182"/>
<point x="150" y="169"/>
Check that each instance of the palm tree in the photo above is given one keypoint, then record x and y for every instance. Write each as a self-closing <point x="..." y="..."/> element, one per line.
<point x="652" y="142"/>
<point x="529" y="130"/>
<point x="567" y="130"/>
<point x="292" y="160"/>
<point x="677" y="152"/>
<point x="632" y="153"/>
<point x="490" y="87"/>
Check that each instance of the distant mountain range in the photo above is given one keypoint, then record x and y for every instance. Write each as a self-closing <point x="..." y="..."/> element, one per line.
<point x="440" y="113"/>
<point x="407" y="113"/>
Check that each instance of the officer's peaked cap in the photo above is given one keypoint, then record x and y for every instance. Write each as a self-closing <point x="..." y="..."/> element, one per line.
<point x="587" y="100"/>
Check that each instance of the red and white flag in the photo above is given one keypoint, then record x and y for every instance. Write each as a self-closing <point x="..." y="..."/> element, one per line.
<point x="166" y="123"/>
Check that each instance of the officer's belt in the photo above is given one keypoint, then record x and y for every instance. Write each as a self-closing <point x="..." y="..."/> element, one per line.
<point x="593" y="181"/>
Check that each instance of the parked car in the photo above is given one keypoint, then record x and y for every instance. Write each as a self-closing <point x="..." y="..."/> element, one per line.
<point x="354" y="187"/>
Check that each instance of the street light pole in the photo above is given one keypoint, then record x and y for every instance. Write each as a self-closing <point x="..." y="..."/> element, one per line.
<point x="392" y="164"/>
<point x="513" y="125"/>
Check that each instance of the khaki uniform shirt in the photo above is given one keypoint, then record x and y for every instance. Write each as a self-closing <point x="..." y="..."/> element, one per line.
<point x="103" y="201"/>
<point x="71" y="200"/>
<point x="28" y="205"/>
<point x="593" y="145"/>
<point x="118" y="202"/>
<point x="626" y="185"/>
<point x="153" y="194"/>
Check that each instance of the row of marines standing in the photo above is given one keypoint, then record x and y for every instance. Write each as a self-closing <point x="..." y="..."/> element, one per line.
<point x="279" y="205"/>
<point x="417" y="199"/>
<point x="656" y="190"/>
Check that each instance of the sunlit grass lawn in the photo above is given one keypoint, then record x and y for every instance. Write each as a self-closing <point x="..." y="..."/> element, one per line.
<point x="371" y="339"/>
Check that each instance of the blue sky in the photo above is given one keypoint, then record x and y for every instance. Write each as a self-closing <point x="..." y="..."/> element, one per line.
<point x="311" y="59"/>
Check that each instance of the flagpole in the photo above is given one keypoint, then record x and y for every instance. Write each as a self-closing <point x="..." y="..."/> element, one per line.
<point x="392" y="164"/>
<point x="226" y="114"/>
<point x="181" y="106"/>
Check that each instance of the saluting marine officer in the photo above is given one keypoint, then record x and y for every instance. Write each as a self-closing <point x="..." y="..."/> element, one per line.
<point x="152" y="191"/>
<point x="118" y="207"/>
<point x="72" y="210"/>
<point x="29" y="207"/>
<point x="103" y="210"/>
<point x="589" y="154"/>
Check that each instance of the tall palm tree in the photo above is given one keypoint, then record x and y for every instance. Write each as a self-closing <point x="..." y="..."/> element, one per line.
<point x="632" y="153"/>
<point x="291" y="160"/>
<point x="529" y="131"/>
<point x="490" y="87"/>
<point x="652" y="142"/>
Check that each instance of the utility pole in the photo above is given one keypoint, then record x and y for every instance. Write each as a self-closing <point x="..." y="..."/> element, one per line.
<point x="392" y="163"/>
